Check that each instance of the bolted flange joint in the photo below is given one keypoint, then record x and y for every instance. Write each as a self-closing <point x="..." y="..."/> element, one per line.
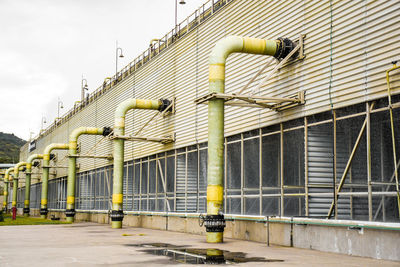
<point x="107" y="131"/>
<point x="70" y="212"/>
<point x="214" y="223"/>
<point x="164" y="104"/>
<point x="117" y="215"/>
<point x="26" y="210"/>
<point x="44" y="211"/>
<point x="284" y="48"/>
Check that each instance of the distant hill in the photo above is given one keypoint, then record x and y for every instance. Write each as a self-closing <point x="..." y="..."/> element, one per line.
<point x="9" y="148"/>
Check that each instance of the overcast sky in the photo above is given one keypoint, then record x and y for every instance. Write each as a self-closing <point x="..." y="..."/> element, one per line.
<point x="46" y="46"/>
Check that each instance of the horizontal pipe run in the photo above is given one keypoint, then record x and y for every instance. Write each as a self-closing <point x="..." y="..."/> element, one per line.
<point x="266" y="219"/>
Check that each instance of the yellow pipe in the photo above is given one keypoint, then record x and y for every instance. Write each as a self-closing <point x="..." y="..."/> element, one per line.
<point x="73" y="144"/>
<point x="16" y="178"/>
<point x="394" y="67"/>
<point x="6" y="187"/>
<point x="117" y="214"/>
<point x="45" y="175"/>
<point x="214" y="221"/>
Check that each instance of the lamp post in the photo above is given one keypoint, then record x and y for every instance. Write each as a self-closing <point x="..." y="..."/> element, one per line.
<point x="181" y="2"/>
<point x="43" y="122"/>
<point x="59" y="106"/>
<point x="118" y="53"/>
<point x="83" y="88"/>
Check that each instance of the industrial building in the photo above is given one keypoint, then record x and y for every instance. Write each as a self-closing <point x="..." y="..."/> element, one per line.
<point x="310" y="131"/>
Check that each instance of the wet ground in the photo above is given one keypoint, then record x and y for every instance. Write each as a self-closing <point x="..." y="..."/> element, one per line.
<point x="89" y="244"/>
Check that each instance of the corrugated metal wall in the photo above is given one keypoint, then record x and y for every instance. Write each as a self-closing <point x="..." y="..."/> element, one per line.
<point x="365" y="38"/>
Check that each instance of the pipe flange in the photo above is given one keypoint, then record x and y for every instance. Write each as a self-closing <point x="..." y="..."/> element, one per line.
<point x="165" y="103"/>
<point x="44" y="211"/>
<point x="117" y="215"/>
<point x="26" y="210"/>
<point x="285" y="46"/>
<point x="214" y="223"/>
<point x="107" y="131"/>
<point x="70" y="212"/>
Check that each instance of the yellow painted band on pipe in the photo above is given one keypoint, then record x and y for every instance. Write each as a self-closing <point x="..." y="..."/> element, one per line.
<point x="215" y="237"/>
<point x="14" y="203"/>
<point x="120" y="122"/>
<point x="46" y="157"/>
<point x="26" y="202"/>
<point x="70" y="200"/>
<point x="5" y="193"/>
<point x="73" y="145"/>
<point x="215" y="193"/>
<point x="216" y="72"/>
<point x="43" y="201"/>
<point x="4" y="204"/>
<point x="29" y="165"/>
<point x="117" y="198"/>
<point x="253" y="45"/>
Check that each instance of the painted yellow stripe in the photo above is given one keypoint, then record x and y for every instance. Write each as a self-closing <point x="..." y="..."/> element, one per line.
<point x="73" y="145"/>
<point x="46" y="157"/>
<point x="14" y="203"/>
<point x="5" y="193"/>
<point x="253" y="45"/>
<point x="70" y="200"/>
<point x="43" y="201"/>
<point x="26" y="202"/>
<point x="215" y="193"/>
<point x="117" y="198"/>
<point x="120" y="122"/>
<point x="216" y="72"/>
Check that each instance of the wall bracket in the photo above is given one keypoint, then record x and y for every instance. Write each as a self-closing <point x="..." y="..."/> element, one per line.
<point x="274" y="103"/>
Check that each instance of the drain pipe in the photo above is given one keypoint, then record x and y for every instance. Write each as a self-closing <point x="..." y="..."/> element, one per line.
<point x="73" y="144"/>
<point x="214" y="221"/>
<point x="6" y="187"/>
<point x="117" y="214"/>
<point x="28" y="174"/>
<point x="45" y="176"/>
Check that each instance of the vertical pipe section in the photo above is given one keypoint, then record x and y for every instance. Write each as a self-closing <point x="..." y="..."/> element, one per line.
<point x="6" y="187"/>
<point x="73" y="144"/>
<point x="28" y="174"/>
<point x="214" y="221"/>
<point x="396" y="175"/>
<point x="15" y="182"/>
<point x="45" y="175"/>
<point x="117" y="214"/>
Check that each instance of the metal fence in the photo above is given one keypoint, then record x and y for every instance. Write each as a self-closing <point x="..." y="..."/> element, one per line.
<point x="305" y="167"/>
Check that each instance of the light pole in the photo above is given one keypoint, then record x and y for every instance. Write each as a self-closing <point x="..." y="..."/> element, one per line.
<point x="118" y="53"/>
<point x="43" y="122"/>
<point x="83" y="88"/>
<point x="181" y="2"/>
<point x="59" y="106"/>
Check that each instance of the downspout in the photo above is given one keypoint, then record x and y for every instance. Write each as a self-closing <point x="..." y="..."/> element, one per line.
<point x="6" y="187"/>
<point x="73" y="141"/>
<point x="15" y="182"/>
<point x="45" y="176"/>
<point x="117" y="214"/>
<point x="214" y="221"/>
<point x="28" y="174"/>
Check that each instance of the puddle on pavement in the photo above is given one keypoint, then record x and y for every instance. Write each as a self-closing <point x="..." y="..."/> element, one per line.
<point x="184" y="254"/>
